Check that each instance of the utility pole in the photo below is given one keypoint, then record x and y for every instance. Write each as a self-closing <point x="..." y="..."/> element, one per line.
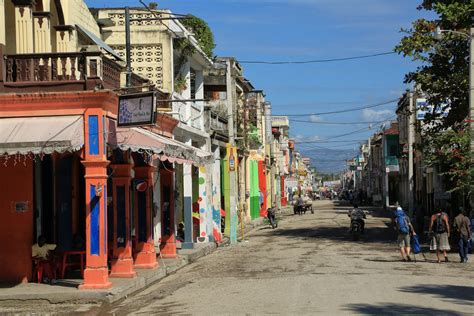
<point x="128" y="47"/>
<point x="268" y="134"/>
<point x="471" y="110"/>
<point x="411" y="138"/>
<point x="231" y="219"/>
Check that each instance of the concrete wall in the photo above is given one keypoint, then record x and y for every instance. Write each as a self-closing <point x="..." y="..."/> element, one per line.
<point x="151" y="53"/>
<point x="16" y="226"/>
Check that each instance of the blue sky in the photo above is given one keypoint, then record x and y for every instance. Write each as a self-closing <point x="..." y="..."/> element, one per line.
<point x="276" y="30"/>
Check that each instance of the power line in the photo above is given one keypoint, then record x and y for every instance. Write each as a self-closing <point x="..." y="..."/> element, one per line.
<point x="343" y="111"/>
<point x="331" y="141"/>
<point x="341" y="123"/>
<point x="314" y="61"/>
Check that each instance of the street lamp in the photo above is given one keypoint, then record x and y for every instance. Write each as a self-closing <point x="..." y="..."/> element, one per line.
<point x="438" y="35"/>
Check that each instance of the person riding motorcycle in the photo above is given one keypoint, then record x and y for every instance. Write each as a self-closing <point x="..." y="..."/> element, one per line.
<point x="357" y="215"/>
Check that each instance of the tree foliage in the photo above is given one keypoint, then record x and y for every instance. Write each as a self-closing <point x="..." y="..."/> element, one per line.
<point x="202" y="32"/>
<point x="443" y="76"/>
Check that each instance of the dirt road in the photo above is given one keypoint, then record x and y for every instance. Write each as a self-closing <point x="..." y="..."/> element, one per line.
<point x="308" y="265"/>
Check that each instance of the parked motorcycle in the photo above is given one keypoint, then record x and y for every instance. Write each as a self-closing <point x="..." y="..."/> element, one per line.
<point x="271" y="217"/>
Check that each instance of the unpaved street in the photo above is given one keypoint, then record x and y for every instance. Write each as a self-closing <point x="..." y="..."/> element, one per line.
<point x="309" y="265"/>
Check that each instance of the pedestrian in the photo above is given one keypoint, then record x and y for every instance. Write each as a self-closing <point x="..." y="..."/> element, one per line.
<point x="463" y="232"/>
<point x="440" y="232"/>
<point x="405" y="231"/>
<point x="41" y="254"/>
<point x="300" y="204"/>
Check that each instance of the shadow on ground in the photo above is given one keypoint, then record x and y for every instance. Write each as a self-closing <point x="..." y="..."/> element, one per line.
<point x="454" y="293"/>
<point x="372" y="234"/>
<point x="397" y="309"/>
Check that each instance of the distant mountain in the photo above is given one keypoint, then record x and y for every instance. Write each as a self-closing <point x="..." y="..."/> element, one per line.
<point x="328" y="160"/>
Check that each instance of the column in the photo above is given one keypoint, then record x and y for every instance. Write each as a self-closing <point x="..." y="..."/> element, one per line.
<point x="168" y="241"/>
<point x="188" y="206"/>
<point x="96" y="274"/>
<point x="203" y="206"/>
<point x="2" y="23"/>
<point x="122" y="261"/>
<point x="42" y="32"/>
<point x="145" y="254"/>
<point x="23" y="26"/>
<point x="65" y="38"/>
<point x="216" y="195"/>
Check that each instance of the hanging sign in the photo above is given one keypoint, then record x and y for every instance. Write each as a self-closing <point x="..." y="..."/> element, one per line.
<point x="136" y="109"/>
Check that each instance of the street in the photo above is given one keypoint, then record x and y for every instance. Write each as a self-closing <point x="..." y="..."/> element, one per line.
<point x="309" y="265"/>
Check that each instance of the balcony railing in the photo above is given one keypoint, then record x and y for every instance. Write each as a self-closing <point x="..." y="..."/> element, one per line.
<point x="60" y="71"/>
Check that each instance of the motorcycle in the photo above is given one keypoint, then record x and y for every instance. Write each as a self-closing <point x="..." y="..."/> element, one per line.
<point x="356" y="229"/>
<point x="271" y="217"/>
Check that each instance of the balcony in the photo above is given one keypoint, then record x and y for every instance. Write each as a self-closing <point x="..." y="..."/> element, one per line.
<point x="74" y="71"/>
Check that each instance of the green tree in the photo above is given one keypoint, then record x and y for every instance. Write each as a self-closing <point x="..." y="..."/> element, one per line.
<point x="443" y="75"/>
<point x="202" y="32"/>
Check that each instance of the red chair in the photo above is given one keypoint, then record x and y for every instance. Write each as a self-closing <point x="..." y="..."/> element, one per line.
<point x="67" y="263"/>
<point x="38" y="271"/>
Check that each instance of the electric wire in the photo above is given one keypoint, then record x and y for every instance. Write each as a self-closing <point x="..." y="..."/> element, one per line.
<point x="314" y="61"/>
<point x="343" y="111"/>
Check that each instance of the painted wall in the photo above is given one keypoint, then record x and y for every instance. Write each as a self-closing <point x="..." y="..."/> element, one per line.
<point x="216" y="197"/>
<point x="16" y="226"/>
<point x="254" y="190"/>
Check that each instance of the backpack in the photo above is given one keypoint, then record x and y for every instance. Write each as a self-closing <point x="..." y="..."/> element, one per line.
<point x="439" y="227"/>
<point x="415" y="244"/>
<point x="402" y="223"/>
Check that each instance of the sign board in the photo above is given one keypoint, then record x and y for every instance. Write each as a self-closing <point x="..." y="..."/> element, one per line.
<point x="422" y="108"/>
<point x="136" y="109"/>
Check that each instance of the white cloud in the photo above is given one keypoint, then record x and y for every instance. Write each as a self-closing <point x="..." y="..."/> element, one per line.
<point x="373" y="115"/>
<point x="315" y="118"/>
<point x="302" y="139"/>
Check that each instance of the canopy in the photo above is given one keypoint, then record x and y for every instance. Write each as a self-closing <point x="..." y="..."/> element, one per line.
<point x="36" y="135"/>
<point x="139" y="139"/>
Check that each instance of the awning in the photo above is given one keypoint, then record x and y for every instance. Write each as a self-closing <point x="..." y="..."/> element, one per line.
<point x="36" y="135"/>
<point x="98" y="41"/>
<point x="138" y="139"/>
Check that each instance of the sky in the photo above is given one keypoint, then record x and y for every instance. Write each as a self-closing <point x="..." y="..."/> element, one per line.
<point x="298" y="30"/>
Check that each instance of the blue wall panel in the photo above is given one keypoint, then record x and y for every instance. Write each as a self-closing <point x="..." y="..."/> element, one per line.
<point x="94" y="221"/>
<point x="104" y="197"/>
<point x="93" y="135"/>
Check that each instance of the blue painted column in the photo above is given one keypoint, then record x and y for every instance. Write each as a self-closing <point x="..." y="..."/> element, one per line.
<point x="96" y="274"/>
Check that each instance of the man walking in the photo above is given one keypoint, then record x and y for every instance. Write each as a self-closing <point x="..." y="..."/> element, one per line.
<point x="404" y="228"/>
<point x="463" y="232"/>
<point x="440" y="232"/>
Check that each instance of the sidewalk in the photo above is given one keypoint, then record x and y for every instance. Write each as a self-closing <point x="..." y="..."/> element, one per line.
<point x="66" y="291"/>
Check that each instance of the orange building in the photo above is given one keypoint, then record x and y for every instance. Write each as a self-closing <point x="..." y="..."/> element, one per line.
<point x="68" y="171"/>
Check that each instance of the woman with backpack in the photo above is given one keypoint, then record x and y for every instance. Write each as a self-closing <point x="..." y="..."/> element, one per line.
<point x="439" y="232"/>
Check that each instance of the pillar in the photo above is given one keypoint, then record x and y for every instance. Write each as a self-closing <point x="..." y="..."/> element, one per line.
<point x="144" y="250"/>
<point x="42" y="32"/>
<point x="168" y="240"/>
<point x="230" y="192"/>
<point x="2" y="23"/>
<point x="65" y="35"/>
<point x="188" y="206"/>
<point x="216" y="195"/>
<point x="203" y="205"/>
<point x="23" y="26"/>
<point x="96" y="274"/>
<point x="122" y="260"/>
<point x="262" y="184"/>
